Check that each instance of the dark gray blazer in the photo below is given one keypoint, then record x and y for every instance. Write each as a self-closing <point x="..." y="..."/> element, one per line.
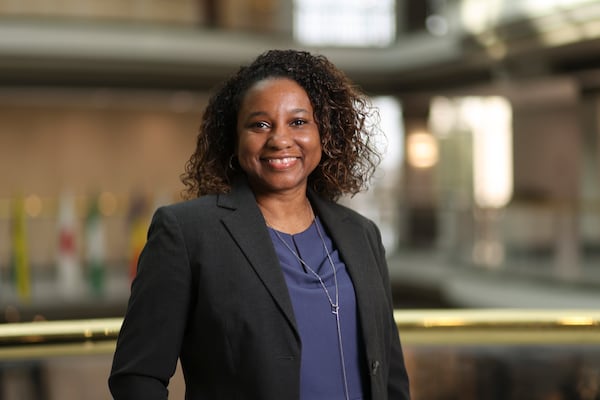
<point x="210" y="290"/>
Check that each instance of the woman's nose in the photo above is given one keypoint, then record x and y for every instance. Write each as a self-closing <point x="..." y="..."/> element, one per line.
<point x="280" y="137"/>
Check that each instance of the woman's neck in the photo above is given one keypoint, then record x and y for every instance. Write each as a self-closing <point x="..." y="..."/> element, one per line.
<point x="288" y="214"/>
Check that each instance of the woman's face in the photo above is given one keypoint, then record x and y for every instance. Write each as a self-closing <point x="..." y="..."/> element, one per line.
<point x="278" y="141"/>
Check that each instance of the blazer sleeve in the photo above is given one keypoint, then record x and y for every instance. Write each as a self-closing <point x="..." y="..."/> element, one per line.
<point x="398" y="380"/>
<point x="150" y="338"/>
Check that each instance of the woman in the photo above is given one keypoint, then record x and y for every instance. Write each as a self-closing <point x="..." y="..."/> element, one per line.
<point x="261" y="284"/>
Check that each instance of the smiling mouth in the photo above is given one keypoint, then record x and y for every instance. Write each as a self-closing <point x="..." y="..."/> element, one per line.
<point x="281" y="162"/>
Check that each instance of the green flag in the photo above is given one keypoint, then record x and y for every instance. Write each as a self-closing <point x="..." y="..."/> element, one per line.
<point x="95" y="247"/>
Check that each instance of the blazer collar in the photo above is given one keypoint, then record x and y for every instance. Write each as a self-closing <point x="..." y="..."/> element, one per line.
<point x="351" y="240"/>
<point x="248" y="228"/>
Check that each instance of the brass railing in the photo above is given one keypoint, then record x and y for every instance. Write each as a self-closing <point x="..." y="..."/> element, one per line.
<point x="417" y="327"/>
<point x="498" y="327"/>
<point x="56" y="338"/>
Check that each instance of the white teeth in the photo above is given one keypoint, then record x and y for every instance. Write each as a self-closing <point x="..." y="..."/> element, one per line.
<point x="285" y="160"/>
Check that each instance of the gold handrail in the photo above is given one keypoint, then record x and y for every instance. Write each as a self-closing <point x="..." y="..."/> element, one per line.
<point x="58" y="338"/>
<point x="417" y="327"/>
<point x="498" y="327"/>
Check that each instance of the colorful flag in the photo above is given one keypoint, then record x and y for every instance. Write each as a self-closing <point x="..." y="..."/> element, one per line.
<point x="95" y="247"/>
<point x="68" y="267"/>
<point x="20" y="256"/>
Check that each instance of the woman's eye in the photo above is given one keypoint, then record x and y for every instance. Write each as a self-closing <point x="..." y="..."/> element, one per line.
<point x="260" y="125"/>
<point x="298" y="122"/>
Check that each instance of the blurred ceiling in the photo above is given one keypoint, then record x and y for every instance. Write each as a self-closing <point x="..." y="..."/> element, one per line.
<point x="97" y="54"/>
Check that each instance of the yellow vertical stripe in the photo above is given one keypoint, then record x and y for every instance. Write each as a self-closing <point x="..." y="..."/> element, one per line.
<point x="20" y="250"/>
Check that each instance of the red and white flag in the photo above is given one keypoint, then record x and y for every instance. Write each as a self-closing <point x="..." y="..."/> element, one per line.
<point x="69" y="274"/>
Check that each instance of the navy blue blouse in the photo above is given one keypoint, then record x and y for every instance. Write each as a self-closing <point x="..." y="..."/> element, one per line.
<point x="321" y="375"/>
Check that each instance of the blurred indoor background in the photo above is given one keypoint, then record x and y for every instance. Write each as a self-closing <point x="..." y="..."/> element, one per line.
<point x="488" y="196"/>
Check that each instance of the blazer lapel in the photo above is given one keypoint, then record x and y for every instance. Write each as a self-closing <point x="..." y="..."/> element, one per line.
<point x="247" y="227"/>
<point x="350" y="240"/>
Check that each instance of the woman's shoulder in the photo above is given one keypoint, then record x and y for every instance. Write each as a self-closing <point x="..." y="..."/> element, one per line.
<point x="200" y="207"/>
<point x="190" y="204"/>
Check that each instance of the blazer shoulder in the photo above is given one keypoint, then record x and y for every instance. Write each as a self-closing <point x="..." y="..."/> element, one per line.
<point x="191" y="205"/>
<point x="192" y="210"/>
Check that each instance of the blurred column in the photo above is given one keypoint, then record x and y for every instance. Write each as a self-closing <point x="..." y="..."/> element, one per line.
<point x="589" y="215"/>
<point x="454" y="176"/>
<point x="211" y="12"/>
<point x="489" y="119"/>
<point x="419" y="176"/>
<point x="547" y="163"/>
<point x="475" y="175"/>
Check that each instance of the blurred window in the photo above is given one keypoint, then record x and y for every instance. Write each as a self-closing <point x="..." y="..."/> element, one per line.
<point x="345" y="22"/>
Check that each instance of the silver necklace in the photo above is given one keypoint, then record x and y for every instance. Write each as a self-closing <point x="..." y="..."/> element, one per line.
<point x="335" y="305"/>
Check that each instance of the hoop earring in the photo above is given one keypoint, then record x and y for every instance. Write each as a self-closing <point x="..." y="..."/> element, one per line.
<point x="231" y="167"/>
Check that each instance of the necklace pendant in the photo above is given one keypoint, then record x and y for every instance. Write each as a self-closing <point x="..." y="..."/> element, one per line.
<point x="335" y="309"/>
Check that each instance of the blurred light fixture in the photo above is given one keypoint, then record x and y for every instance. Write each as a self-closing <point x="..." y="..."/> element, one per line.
<point x="490" y="122"/>
<point x="422" y="150"/>
<point x="555" y="22"/>
<point x="33" y="205"/>
<point x="442" y="116"/>
<point x="436" y="25"/>
<point x="478" y="16"/>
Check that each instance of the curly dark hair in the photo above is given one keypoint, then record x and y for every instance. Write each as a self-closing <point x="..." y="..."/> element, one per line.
<point x="343" y="114"/>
